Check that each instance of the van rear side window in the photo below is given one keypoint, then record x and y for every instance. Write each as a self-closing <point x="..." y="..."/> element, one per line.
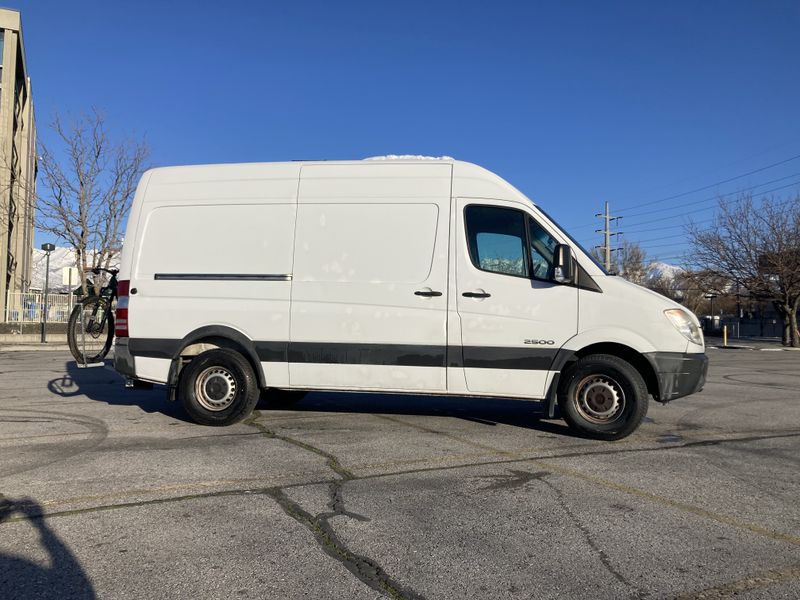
<point x="387" y="243"/>
<point x="217" y="239"/>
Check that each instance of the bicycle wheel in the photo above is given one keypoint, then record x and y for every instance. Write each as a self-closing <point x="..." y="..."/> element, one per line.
<point x="90" y="341"/>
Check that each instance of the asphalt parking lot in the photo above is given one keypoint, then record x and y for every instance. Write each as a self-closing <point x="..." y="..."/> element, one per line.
<point x="111" y="493"/>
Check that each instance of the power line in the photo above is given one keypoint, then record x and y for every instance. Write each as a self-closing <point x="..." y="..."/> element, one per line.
<point x="667" y="227"/>
<point x="658" y="239"/>
<point x="707" y="187"/>
<point x="711" y="198"/>
<point x="689" y="212"/>
<point x="734" y="164"/>
<point x="583" y="226"/>
<point x="672" y="245"/>
<point x="665" y="258"/>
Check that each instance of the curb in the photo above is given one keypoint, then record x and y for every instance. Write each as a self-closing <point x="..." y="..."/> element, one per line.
<point x="34" y="348"/>
<point x="732" y="347"/>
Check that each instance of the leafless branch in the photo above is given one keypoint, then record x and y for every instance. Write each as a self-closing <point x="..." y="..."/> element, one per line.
<point x="755" y="246"/>
<point x="88" y="185"/>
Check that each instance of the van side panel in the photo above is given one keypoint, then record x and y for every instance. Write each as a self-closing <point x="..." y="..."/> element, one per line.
<point x="214" y="248"/>
<point x="369" y="295"/>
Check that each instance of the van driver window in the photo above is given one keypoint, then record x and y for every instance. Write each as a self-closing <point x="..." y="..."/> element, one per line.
<point x="496" y="239"/>
<point x="543" y="248"/>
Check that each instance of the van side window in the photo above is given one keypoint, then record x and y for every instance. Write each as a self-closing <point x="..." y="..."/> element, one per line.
<point x="542" y="250"/>
<point x="496" y="239"/>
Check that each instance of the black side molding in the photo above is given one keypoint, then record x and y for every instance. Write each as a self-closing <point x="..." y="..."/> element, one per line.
<point x="222" y="277"/>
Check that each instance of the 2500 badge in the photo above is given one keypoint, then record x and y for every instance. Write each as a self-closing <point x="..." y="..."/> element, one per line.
<point x="540" y="342"/>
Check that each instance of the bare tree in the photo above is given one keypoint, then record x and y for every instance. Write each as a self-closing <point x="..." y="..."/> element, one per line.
<point x="89" y="183"/>
<point x="756" y="246"/>
<point x="697" y="287"/>
<point x="633" y="263"/>
<point x="673" y="287"/>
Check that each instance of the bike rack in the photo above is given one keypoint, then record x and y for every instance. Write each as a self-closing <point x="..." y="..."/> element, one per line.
<point x="83" y="364"/>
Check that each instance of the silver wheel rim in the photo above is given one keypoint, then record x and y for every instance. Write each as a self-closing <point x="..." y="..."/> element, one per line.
<point x="599" y="399"/>
<point x="215" y="389"/>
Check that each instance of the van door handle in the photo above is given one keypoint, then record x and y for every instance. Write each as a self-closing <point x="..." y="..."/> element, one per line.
<point x="427" y="293"/>
<point x="476" y="295"/>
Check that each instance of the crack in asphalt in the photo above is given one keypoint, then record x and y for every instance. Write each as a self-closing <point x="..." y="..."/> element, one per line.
<point x="753" y="582"/>
<point x="372" y="574"/>
<point x="90" y="509"/>
<point x="526" y="458"/>
<point x="332" y="461"/>
<point x="516" y="479"/>
<point x="365" y="569"/>
<point x="590" y="541"/>
<point x="532" y="459"/>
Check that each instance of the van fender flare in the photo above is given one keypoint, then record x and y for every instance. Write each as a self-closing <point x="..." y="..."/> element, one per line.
<point x="240" y="342"/>
<point x="573" y="346"/>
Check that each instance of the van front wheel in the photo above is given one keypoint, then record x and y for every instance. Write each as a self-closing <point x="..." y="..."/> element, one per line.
<point x="603" y="397"/>
<point x="218" y="387"/>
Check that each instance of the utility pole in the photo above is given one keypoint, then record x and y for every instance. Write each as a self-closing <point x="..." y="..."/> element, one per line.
<point x="607" y="234"/>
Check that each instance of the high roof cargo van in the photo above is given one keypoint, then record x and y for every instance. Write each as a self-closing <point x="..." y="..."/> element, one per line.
<point x="415" y="276"/>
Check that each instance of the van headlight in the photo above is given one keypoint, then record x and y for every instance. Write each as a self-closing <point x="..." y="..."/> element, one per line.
<point x="685" y="324"/>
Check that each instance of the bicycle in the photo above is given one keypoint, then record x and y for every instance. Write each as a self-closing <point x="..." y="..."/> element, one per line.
<point x="91" y="325"/>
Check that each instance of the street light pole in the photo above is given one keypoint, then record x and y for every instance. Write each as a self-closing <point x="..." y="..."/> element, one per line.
<point x="711" y="296"/>
<point x="48" y="248"/>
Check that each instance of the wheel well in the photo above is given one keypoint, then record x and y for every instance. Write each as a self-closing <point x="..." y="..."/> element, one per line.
<point x="628" y="354"/>
<point x="210" y="342"/>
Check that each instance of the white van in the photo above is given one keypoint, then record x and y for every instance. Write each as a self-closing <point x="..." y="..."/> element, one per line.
<point x="406" y="275"/>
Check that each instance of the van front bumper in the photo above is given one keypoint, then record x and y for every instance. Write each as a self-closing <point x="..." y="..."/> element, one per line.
<point x="123" y="360"/>
<point x="678" y="374"/>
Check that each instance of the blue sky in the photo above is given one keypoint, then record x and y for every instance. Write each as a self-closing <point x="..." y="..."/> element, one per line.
<point x="575" y="103"/>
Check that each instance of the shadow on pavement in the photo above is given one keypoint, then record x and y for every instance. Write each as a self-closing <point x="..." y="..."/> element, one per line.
<point x="106" y="385"/>
<point x="485" y="411"/>
<point x="22" y="578"/>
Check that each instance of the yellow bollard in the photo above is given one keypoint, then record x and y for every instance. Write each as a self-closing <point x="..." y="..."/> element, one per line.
<point x="725" y="335"/>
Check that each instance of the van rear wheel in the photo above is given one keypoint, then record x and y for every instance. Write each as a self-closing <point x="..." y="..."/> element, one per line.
<point x="218" y="387"/>
<point x="603" y="397"/>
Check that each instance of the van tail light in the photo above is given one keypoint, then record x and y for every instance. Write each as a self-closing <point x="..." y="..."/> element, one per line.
<point x="121" y="322"/>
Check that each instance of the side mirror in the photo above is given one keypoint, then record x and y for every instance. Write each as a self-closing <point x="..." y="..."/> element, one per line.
<point x="562" y="267"/>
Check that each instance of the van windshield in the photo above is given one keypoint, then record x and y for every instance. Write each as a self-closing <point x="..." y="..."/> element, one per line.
<point x="575" y="242"/>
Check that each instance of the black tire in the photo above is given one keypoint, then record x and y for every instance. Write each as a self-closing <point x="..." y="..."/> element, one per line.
<point x="603" y="397"/>
<point x="276" y="398"/>
<point x="218" y="387"/>
<point x="98" y="330"/>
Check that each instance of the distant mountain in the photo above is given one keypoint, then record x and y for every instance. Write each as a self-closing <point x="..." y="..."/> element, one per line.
<point x="60" y="259"/>
<point x="661" y="270"/>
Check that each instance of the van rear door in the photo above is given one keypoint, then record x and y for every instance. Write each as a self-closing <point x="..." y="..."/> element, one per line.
<point x="369" y="293"/>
